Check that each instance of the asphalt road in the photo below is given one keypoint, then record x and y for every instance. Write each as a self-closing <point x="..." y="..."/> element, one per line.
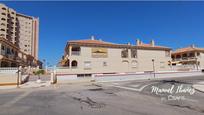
<point x="114" y="98"/>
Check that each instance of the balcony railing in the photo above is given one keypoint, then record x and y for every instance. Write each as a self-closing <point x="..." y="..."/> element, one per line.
<point x="184" y="59"/>
<point x="76" y="53"/>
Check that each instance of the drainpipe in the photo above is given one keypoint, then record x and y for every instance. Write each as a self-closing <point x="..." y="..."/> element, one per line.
<point x="153" y="67"/>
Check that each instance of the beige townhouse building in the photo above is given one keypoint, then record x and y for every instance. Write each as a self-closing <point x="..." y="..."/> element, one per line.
<point x="96" y="56"/>
<point x="188" y="58"/>
<point x="18" y="38"/>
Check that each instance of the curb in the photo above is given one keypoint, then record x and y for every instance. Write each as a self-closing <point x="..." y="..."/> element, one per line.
<point x="8" y="84"/>
<point x="143" y="78"/>
<point x="76" y="81"/>
<point x="198" y="89"/>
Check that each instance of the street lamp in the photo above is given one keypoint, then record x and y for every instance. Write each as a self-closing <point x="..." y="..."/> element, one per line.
<point x="196" y="63"/>
<point x="45" y="65"/>
<point x="153" y="67"/>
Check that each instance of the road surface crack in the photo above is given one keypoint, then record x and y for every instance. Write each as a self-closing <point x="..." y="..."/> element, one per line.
<point x="90" y="102"/>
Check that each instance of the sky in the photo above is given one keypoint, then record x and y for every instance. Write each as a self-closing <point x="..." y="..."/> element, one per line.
<point x="171" y="24"/>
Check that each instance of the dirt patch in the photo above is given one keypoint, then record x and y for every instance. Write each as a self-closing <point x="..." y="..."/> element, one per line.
<point x="90" y="102"/>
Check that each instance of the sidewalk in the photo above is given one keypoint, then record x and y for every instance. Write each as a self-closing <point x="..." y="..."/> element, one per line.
<point x="143" y="76"/>
<point x="199" y="86"/>
<point x="30" y="84"/>
<point x="34" y="84"/>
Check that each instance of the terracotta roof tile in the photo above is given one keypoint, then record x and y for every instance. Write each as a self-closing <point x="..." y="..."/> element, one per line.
<point x="149" y="45"/>
<point x="90" y="42"/>
<point x="188" y="49"/>
<point x="99" y="42"/>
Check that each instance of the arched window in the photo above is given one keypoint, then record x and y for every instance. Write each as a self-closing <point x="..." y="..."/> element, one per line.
<point x="74" y="63"/>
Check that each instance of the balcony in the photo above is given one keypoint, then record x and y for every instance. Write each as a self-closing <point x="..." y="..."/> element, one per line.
<point x="185" y="59"/>
<point x="77" y="53"/>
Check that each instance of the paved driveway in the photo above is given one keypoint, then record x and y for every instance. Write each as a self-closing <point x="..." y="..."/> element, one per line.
<point x="97" y="99"/>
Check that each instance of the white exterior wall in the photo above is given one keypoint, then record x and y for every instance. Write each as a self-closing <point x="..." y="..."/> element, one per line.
<point x="160" y="60"/>
<point x="201" y="60"/>
<point x="116" y="64"/>
<point x="113" y="65"/>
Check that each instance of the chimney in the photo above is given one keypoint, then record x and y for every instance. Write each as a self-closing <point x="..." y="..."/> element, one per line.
<point x="152" y="43"/>
<point x="138" y="42"/>
<point x="193" y="46"/>
<point x="92" y="38"/>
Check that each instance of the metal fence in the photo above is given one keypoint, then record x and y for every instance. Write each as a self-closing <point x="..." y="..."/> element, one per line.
<point x="185" y="67"/>
<point x="8" y="70"/>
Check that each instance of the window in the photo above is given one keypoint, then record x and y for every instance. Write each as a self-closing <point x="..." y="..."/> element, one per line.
<point x="191" y="55"/>
<point x="74" y="64"/>
<point x="8" y="51"/>
<point x="104" y="64"/>
<point x="184" y="55"/>
<point x="16" y="53"/>
<point x="124" y="53"/>
<point x="12" y="51"/>
<point x="3" y="14"/>
<point x="173" y="57"/>
<point x="3" y="47"/>
<point x="3" y="19"/>
<point x="2" y="29"/>
<point x="87" y="65"/>
<point x="3" y="8"/>
<point x="133" y="53"/>
<point x="76" y="50"/>
<point x="178" y="56"/>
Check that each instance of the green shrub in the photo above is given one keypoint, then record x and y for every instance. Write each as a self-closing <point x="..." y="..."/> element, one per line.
<point x="39" y="72"/>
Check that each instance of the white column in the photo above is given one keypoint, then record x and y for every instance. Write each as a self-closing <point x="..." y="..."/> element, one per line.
<point x="0" y="48"/>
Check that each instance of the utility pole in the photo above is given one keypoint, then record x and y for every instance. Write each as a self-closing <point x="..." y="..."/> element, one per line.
<point x="197" y="63"/>
<point x="18" y="76"/>
<point x="153" y="67"/>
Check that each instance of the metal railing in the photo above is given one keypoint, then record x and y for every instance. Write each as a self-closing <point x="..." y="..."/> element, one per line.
<point x="8" y="70"/>
<point x="75" y="52"/>
<point x="184" y="59"/>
